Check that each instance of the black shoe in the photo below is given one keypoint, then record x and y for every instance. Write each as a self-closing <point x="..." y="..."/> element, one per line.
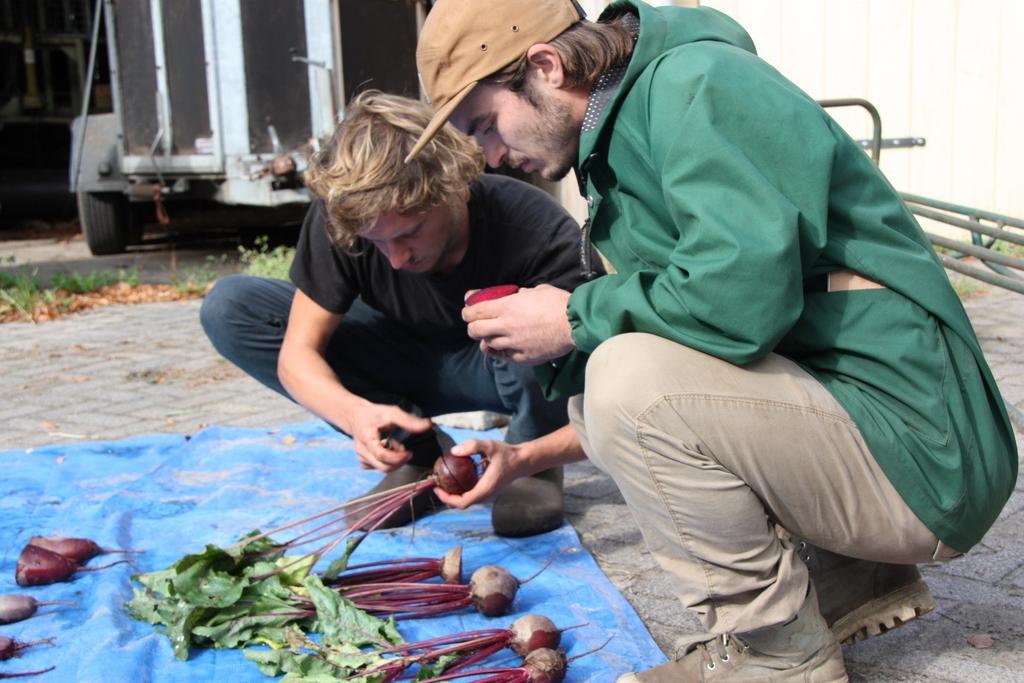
<point x="425" y="448"/>
<point x="530" y="505"/>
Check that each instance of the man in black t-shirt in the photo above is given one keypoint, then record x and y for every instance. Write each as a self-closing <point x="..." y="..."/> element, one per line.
<point x="370" y="336"/>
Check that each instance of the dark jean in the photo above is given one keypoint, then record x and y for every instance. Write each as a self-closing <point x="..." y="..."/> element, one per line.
<point x="245" y="318"/>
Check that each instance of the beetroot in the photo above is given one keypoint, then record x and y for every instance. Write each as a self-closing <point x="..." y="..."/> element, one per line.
<point x="545" y="666"/>
<point x="488" y="293"/>
<point x="455" y="474"/>
<point x="532" y="632"/>
<point x="19" y="607"/>
<point x="526" y="634"/>
<point x="78" y="550"/>
<point x="493" y="589"/>
<point x="9" y="647"/>
<point x="451" y="565"/>
<point x="38" y="566"/>
<point x="366" y="513"/>
<point x="408" y="570"/>
<point x="540" y="666"/>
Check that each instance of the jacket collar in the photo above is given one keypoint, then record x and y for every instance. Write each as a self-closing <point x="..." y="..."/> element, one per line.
<point x="661" y="29"/>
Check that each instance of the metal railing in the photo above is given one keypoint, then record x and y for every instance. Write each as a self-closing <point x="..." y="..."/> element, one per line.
<point x="984" y="236"/>
<point x="986" y="228"/>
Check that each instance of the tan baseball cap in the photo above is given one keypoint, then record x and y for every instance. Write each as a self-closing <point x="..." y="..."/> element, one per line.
<point x="465" y="41"/>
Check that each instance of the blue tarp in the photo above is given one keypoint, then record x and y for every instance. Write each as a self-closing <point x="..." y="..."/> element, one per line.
<point x="171" y="495"/>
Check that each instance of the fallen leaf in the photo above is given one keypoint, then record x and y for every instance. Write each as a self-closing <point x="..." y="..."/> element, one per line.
<point x="81" y="378"/>
<point x="171" y="421"/>
<point x="288" y="440"/>
<point x="50" y="426"/>
<point x="981" y="641"/>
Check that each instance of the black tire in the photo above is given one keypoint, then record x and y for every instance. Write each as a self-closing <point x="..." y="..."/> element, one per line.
<point x="105" y="223"/>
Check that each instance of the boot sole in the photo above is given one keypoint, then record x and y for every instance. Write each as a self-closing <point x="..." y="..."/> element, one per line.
<point x="884" y="614"/>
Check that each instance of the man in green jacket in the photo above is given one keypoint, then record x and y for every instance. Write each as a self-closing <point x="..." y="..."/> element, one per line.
<point x="777" y="374"/>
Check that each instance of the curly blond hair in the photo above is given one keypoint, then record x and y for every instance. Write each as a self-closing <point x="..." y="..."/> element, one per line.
<point x="360" y="173"/>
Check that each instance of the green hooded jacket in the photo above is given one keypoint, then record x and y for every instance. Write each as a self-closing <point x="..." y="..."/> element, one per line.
<point x="720" y="193"/>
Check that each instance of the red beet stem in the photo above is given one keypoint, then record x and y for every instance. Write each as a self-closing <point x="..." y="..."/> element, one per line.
<point x="105" y="566"/>
<point x="408" y="571"/>
<point x="456" y="639"/>
<point x="499" y="674"/>
<point x="591" y="651"/>
<point x="367" y="513"/>
<point x="403" y="570"/>
<point x="382" y="510"/>
<point x="540" y="571"/>
<point x="323" y="513"/>
<point x="20" y="674"/>
<point x="408" y="600"/>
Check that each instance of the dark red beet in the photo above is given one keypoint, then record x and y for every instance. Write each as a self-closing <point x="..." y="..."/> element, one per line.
<point x="18" y="607"/>
<point x="532" y="632"/>
<point x="78" y="550"/>
<point x="455" y="474"/>
<point x="493" y="589"/>
<point x="9" y="647"/>
<point x="488" y="293"/>
<point x="545" y="666"/>
<point x="38" y="566"/>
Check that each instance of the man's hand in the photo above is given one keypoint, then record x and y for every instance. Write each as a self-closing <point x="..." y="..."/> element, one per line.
<point x="502" y="466"/>
<point x="529" y="327"/>
<point x="506" y="462"/>
<point x="369" y="425"/>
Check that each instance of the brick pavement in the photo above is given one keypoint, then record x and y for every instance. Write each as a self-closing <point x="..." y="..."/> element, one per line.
<point x="129" y="370"/>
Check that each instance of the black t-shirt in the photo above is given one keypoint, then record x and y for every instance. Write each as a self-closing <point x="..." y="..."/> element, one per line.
<point x="517" y="235"/>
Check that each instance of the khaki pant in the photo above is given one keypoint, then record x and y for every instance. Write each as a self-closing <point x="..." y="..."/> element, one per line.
<point x="710" y="456"/>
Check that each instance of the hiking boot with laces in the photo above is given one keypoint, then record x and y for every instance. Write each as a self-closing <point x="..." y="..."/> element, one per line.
<point x="859" y="599"/>
<point x="530" y="505"/>
<point x="802" y="650"/>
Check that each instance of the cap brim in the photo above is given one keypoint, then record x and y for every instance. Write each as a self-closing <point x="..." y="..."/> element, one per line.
<point x="439" y="119"/>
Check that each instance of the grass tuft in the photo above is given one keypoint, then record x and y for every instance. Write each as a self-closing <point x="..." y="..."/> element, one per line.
<point x="262" y="261"/>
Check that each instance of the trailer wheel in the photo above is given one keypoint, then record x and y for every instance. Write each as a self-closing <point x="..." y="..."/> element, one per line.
<point x="105" y="221"/>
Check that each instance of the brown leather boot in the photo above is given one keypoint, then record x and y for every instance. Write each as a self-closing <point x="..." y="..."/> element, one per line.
<point x="801" y="650"/>
<point x="859" y="598"/>
<point x="530" y="505"/>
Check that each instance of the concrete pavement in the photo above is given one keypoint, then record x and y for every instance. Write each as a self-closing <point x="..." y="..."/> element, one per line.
<point x="127" y="370"/>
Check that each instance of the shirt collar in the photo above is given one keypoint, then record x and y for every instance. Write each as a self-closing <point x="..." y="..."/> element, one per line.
<point x="607" y="84"/>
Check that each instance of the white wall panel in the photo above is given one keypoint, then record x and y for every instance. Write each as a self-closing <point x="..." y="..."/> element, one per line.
<point x="1008" y="173"/>
<point x="950" y="71"/>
